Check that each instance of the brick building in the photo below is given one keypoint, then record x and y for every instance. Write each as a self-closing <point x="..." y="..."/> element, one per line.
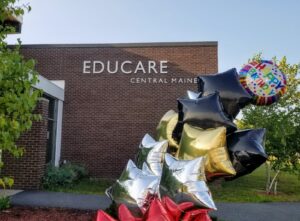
<point x="100" y="100"/>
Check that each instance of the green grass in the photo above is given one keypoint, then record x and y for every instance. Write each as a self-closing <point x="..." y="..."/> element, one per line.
<point x="251" y="188"/>
<point x="248" y="188"/>
<point x="86" y="186"/>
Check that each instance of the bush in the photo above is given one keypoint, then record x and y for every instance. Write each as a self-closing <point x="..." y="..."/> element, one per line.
<point x="4" y="203"/>
<point x="63" y="176"/>
<point x="80" y="170"/>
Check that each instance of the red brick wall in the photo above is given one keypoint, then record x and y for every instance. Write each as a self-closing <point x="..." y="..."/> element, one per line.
<point x="105" y="116"/>
<point x="28" y="170"/>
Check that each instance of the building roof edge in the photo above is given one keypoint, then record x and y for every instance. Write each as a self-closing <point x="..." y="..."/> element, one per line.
<point x="125" y="45"/>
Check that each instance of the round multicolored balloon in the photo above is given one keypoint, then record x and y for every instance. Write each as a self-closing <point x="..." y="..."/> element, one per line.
<point x="263" y="81"/>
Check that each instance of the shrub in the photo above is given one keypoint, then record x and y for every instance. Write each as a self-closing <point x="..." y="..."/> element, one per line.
<point x="4" y="203"/>
<point x="79" y="170"/>
<point x="63" y="176"/>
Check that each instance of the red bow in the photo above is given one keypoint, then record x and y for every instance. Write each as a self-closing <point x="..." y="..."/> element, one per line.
<point x="164" y="210"/>
<point x="102" y="216"/>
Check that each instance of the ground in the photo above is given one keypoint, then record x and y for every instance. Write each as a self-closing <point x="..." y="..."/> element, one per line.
<point x="42" y="214"/>
<point x="249" y="188"/>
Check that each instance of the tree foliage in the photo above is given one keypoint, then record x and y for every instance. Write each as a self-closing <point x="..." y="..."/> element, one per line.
<point x="8" y="9"/>
<point x="17" y="97"/>
<point x="282" y="121"/>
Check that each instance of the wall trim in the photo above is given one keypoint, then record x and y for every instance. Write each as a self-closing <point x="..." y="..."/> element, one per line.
<point x="126" y="45"/>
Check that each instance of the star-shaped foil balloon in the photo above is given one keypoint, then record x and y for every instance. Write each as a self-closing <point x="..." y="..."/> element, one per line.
<point x="205" y="112"/>
<point x="165" y="129"/>
<point x="246" y="149"/>
<point x="233" y="96"/>
<point x="196" y="142"/>
<point x="152" y="152"/>
<point x="135" y="188"/>
<point x="184" y="181"/>
<point x="193" y="95"/>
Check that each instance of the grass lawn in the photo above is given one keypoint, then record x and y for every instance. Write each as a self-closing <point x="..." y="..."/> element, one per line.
<point x="249" y="188"/>
<point x="86" y="186"/>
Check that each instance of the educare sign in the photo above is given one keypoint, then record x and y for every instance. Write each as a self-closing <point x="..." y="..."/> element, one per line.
<point x="125" y="67"/>
<point x="140" y="72"/>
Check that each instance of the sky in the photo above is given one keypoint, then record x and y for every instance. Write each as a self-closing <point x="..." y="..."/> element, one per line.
<point x="241" y="27"/>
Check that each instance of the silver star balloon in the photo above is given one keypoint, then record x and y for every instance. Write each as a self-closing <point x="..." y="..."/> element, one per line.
<point x="152" y="152"/>
<point x="184" y="181"/>
<point x="146" y="169"/>
<point x="134" y="188"/>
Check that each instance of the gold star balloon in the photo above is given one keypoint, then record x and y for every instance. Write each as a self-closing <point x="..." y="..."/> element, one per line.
<point x="184" y="181"/>
<point x="152" y="153"/>
<point x="165" y="129"/>
<point x="197" y="142"/>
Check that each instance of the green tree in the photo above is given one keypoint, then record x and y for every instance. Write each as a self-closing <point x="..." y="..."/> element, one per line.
<point x="282" y="121"/>
<point x="17" y="97"/>
<point x="9" y="9"/>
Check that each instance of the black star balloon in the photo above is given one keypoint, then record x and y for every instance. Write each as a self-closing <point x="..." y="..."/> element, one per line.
<point x="205" y="112"/>
<point x="233" y="95"/>
<point x="246" y="150"/>
<point x="184" y="181"/>
<point x="193" y="95"/>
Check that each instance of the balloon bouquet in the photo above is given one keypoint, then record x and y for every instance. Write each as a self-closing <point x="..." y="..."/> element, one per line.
<point x="198" y="144"/>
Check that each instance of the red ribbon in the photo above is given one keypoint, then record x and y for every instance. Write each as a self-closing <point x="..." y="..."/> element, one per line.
<point x="196" y="215"/>
<point x="125" y="215"/>
<point x="160" y="210"/>
<point x="176" y="210"/>
<point x="157" y="212"/>
<point x="102" y="216"/>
